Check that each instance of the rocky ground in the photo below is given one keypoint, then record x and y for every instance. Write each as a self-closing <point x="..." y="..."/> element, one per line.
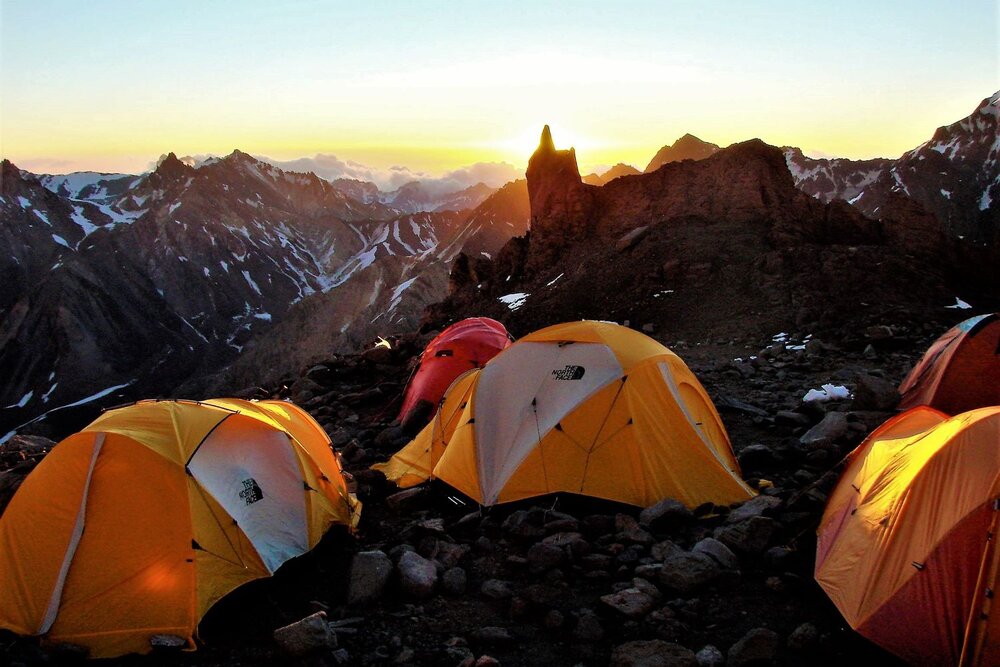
<point x="431" y="579"/>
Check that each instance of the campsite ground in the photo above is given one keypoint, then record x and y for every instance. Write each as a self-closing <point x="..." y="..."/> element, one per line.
<point x="548" y="610"/>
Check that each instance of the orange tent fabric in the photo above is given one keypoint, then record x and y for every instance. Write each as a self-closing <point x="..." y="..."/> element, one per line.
<point x="583" y="407"/>
<point x="461" y="347"/>
<point x="140" y="522"/>
<point x="906" y="547"/>
<point x="960" y="371"/>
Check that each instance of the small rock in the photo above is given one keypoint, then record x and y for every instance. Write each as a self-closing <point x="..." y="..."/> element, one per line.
<point x="874" y="393"/>
<point x="710" y="656"/>
<point x="757" y="647"/>
<point x="588" y="627"/>
<point x="629" y="530"/>
<point x="749" y="537"/>
<point x="417" y="575"/>
<point x="630" y="602"/>
<point x="631" y="238"/>
<point x="167" y="642"/>
<point x="310" y="635"/>
<point x="803" y="638"/>
<point x="664" y="550"/>
<point x="652" y="653"/>
<point x="407" y="500"/>
<point x="718" y="551"/>
<point x="832" y="427"/>
<point x="370" y="572"/>
<point x="487" y="661"/>
<point x="492" y="634"/>
<point x="687" y="572"/>
<point x="521" y="525"/>
<point x="754" y="507"/>
<point x="497" y="589"/>
<point x="542" y="556"/>
<point x="665" y="515"/>
<point x="454" y="581"/>
<point x="755" y="456"/>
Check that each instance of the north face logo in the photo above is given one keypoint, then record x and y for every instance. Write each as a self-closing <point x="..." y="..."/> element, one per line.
<point x="569" y="373"/>
<point x="251" y="492"/>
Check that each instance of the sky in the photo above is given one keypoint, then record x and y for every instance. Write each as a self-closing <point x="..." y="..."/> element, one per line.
<point x="433" y="87"/>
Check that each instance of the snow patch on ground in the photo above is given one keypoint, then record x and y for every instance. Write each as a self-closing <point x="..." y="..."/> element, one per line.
<point x="515" y="300"/>
<point x="959" y="305"/>
<point x="829" y="392"/>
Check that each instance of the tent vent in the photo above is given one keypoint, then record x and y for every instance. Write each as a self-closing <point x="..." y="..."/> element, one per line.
<point x="558" y="427"/>
<point x="917" y="565"/>
<point x="196" y="546"/>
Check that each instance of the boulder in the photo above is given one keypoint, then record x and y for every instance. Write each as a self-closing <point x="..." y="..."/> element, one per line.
<point x="630" y="602"/>
<point x="718" y="551"/>
<point x="874" y="393"/>
<point x="665" y="515"/>
<point x="754" y="507"/>
<point x="652" y="653"/>
<point x="757" y="647"/>
<point x="831" y="428"/>
<point x="687" y="572"/>
<point x="417" y="575"/>
<point x="370" y="572"/>
<point x="748" y="537"/>
<point x="710" y="656"/>
<point x="308" y="636"/>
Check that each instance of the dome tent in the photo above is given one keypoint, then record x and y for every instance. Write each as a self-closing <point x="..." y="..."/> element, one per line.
<point x="960" y="371"/>
<point x="462" y="346"/>
<point x="585" y="407"/>
<point x="906" y="547"/>
<point x="140" y="522"/>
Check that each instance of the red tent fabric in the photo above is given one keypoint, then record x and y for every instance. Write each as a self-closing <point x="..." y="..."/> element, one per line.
<point x="459" y="348"/>
<point x="960" y="371"/>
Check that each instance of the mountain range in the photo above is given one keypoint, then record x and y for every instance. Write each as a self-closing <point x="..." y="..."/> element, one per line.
<point x="216" y="275"/>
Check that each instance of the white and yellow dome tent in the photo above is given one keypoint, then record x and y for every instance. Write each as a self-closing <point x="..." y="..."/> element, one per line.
<point x="591" y="408"/>
<point x="140" y="522"/>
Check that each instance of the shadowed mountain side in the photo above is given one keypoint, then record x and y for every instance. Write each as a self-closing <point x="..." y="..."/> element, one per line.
<point x="688" y="147"/>
<point x="726" y="244"/>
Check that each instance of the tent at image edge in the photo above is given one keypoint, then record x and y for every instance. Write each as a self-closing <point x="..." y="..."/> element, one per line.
<point x="904" y="547"/>
<point x="590" y="408"/>
<point x="960" y="371"/>
<point x="139" y="523"/>
<point x="461" y="347"/>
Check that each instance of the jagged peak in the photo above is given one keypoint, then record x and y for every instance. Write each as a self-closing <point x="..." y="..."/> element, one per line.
<point x="545" y="144"/>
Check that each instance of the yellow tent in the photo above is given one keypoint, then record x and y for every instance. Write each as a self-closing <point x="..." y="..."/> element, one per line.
<point x="907" y="544"/>
<point x="140" y="522"/>
<point x="584" y="407"/>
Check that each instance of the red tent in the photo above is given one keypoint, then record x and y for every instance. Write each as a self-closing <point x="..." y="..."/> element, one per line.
<point x="459" y="348"/>
<point x="960" y="371"/>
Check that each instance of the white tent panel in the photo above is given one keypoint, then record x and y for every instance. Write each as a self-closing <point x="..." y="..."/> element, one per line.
<point x="252" y="471"/>
<point x="523" y="393"/>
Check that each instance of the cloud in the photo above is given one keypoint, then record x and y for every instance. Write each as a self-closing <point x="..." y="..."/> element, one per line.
<point x="330" y="167"/>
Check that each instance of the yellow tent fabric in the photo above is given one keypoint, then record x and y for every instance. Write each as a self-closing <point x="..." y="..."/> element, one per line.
<point x="584" y="407"/>
<point x="906" y="549"/>
<point x="140" y="522"/>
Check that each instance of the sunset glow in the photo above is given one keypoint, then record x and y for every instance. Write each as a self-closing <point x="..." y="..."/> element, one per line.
<point x="435" y="86"/>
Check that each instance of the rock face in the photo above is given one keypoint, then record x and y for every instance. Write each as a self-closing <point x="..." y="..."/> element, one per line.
<point x="725" y="244"/>
<point x="688" y="147"/>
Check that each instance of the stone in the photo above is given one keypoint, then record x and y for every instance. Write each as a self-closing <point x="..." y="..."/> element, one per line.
<point x="487" y="661"/>
<point x="749" y="537"/>
<point x="710" y="656"/>
<point x="542" y="556"/>
<point x="629" y="530"/>
<point x="167" y="642"/>
<point x="449" y="554"/>
<point x="630" y="602"/>
<point x="407" y="500"/>
<point x="306" y="637"/>
<point x="718" y="551"/>
<point x="665" y="515"/>
<point x="492" y="634"/>
<point x="831" y="428"/>
<point x="874" y="393"/>
<point x="417" y="575"/>
<point x="804" y="638"/>
<point x="652" y="653"/>
<point x="454" y="581"/>
<point x="661" y="551"/>
<point x="757" y="647"/>
<point x="631" y="238"/>
<point x="521" y="525"/>
<point x="754" y="507"/>
<point x="370" y="572"/>
<point x="687" y="572"/>
<point x="755" y="456"/>
<point x="497" y="589"/>
<point x="791" y="418"/>
<point x="588" y="627"/>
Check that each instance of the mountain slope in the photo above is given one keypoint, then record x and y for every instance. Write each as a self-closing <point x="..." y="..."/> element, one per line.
<point x="688" y="147"/>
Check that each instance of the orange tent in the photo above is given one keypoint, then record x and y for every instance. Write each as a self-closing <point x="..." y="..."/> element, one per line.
<point x="960" y="371"/>
<point x="583" y="407"/>
<point x="461" y="347"/>
<point x="140" y="522"/>
<point x="906" y="546"/>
